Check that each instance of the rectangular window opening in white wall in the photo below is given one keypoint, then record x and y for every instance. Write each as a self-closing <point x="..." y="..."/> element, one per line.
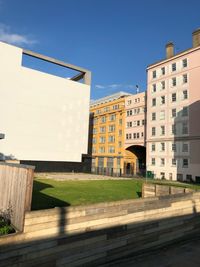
<point x="48" y="67"/>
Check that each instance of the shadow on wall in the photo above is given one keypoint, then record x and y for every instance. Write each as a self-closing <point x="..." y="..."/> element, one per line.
<point x="87" y="246"/>
<point x="186" y="141"/>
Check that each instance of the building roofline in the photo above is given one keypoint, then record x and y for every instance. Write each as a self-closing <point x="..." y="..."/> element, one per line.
<point x="184" y="52"/>
<point x="109" y="98"/>
<point x="84" y="73"/>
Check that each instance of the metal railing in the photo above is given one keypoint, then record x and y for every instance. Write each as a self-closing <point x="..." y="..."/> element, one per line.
<point x="118" y="172"/>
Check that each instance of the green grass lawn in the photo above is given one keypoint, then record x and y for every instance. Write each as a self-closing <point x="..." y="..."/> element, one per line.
<point x="50" y="193"/>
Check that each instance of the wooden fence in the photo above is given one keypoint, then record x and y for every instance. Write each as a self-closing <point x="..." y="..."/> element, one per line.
<point x="16" y="182"/>
<point x="154" y="190"/>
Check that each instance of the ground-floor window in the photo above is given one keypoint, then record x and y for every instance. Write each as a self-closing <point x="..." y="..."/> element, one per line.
<point x="162" y="175"/>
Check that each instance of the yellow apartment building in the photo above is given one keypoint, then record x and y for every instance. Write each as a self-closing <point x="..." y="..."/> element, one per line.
<point x="107" y="133"/>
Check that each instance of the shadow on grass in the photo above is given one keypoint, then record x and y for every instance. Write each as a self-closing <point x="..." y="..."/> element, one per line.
<point x="139" y="194"/>
<point x="40" y="200"/>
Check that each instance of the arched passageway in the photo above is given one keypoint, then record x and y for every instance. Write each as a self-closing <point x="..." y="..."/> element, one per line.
<point x="135" y="160"/>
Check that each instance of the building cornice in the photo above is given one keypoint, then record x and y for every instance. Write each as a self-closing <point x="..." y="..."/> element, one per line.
<point x="183" y="53"/>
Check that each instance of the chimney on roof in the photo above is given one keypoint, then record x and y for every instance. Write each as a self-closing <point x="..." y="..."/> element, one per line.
<point x="169" y="50"/>
<point x="196" y="38"/>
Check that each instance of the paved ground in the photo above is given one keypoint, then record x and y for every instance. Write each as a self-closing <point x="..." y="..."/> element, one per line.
<point x="77" y="176"/>
<point x="185" y="254"/>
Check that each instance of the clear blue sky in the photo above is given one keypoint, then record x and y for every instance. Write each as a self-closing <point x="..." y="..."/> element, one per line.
<point x="115" y="39"/>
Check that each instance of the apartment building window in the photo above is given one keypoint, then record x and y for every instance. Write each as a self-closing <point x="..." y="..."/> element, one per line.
<point x="184" y="128"/>
<point x="129" y="112"/>
<point x="118" y="162"/>
<point x="94" y="140"/>
<point x="129" y="102"/>
<point x="111" y="128"/>
<point x="163" y="70"/>
<point x="163" y="85"/>
<point x="120" y="121"/>
<point x="184" y="63"/>
<point x="106" y="109"/>
<point x="138" y="123"/>
<point x="162" y="115"/>
<point x="185" y="112"/>
<point x="136" y="111"/>
<point x="162" y="175"/>
<point x="174" y="97"/>
<point x="173" y="147"/>
<point x="154" y="88"/>
<point x="174" y="162"/>
<point x="111" y="138"/>
<point x="101" y="149"/>
<point x="134" y="135"/>
<point x="120" y="132"/>
<point x="95" y="121"/>
<point x="116" y="107"/>
<point x="153" y="147"/>
<point x="173" y="112"/>
<point x="174" y="67"/>
<point x="185" y="147"/>
<point x="153" y="161"/>
<point x="142" y="134"/>
<point x="119" y="144"/>
<point x="173" y="81"/>
<point x="102" y="129"/>
<point x="162" y="146"/>
<point x="103" y="119"/>
<point x="154" y="74"/>
<point x="142" y="122"/>
<point x="111" y="149"/>
<point x="162" y="162"/>
<point x="98" y="111"/>
<point x="179" y="177"/>
<point x="94" y="149"/>
<point x="94" y="130"/>
<point x="102" y="140"/>
<point x="185" y="163"/>
<point x="129" y="124"/>
<point x="162" y="130"/>
<point x="154" y="102"/>
<point x="174" y="129"/>
<point x="112" y="117"/>
<point x="185" y="78"/>
<point x="185" y="94"/>
<point x="153" y="131"/>
<point x="126" y="136"/>
<point x="153" y="116"/>
<point x="138" y="135"/>
<point x="162" y="100"/>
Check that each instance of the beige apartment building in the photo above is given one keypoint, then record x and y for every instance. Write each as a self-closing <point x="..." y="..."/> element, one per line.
<point x="135" y="133"/>
<point x="173" y="128"/>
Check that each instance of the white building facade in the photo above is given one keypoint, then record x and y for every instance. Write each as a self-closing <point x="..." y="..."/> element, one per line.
<point x="43" y="117"/>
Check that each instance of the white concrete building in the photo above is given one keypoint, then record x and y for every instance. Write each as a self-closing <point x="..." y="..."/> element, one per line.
<point x="44" y="117"/>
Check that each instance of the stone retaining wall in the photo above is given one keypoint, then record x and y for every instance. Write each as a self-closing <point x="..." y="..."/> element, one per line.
<point x="153" y="190"/>
<point x="101" y="233"/>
